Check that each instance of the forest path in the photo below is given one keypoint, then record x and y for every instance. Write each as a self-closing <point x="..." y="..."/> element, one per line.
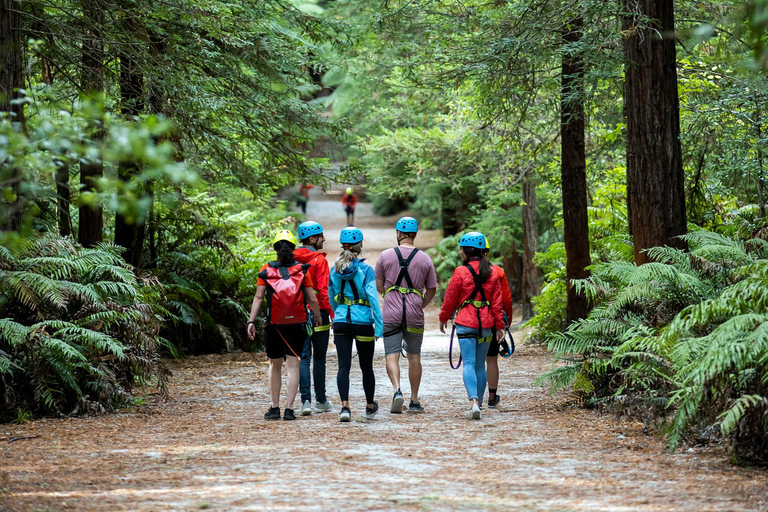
<point x="209" y="448"/>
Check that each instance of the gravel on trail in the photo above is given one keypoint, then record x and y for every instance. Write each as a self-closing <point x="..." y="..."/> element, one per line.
<point x="208" y="447"/>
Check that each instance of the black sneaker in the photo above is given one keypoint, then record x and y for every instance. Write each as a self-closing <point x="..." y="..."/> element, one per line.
<point x="272" y="414"/>
<point x="397" y="403"/>
<point x="288" y="415"/>
<point x="415" y="407"/>
<point x="345" y="415"/>
<point x="370" y="412"/>
<point x="493" y="402"/>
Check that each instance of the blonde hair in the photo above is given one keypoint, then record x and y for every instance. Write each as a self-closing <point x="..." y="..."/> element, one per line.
<point x="348" y="254"/>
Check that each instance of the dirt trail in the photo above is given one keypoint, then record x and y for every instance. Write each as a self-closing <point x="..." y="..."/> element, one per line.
<point x="209" y="448"/>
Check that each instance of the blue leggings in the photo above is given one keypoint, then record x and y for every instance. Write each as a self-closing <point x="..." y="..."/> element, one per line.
<point x="315" y="348"/>
<point x="473" y="354"/>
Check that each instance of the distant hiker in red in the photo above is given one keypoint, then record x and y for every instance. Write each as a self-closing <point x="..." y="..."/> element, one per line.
<point x="498" y="346"/>
<point x="312" y="241"/>
<point x="303" y="197"/>
<point x="288" y="288"/>
<point x="474" y="294"/>
<point x="350" y="202"/>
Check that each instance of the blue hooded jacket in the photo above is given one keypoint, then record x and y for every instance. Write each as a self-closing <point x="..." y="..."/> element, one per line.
<point x="364" y="279"/>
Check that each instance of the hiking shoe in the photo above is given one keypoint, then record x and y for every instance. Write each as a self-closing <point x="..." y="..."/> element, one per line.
<point x="326" y="406"/>
<point x="306" y="408"/>
<point x="397" y="403"/>
<point x="272" y="414"/>
<point x="345" y="415"/>
<point x="493" y="402"/>
<point x="288" y="415"/>
<point x="474" y="412"/>
<point x="370" y="412"/>
<point x="415" y="407"/>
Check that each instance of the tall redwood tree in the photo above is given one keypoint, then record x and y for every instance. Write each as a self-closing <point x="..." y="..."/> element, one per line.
<point x="655" y="181"/>
<point x="574" y="169"/>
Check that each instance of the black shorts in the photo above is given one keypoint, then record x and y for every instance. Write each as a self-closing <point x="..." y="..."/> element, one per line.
<point x="349" y="209"/>
<point x="285" y="340"/>
<point x="493" y="348"/>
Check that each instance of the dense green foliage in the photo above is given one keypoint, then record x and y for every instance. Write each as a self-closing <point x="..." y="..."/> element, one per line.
<point x="80" y="330"/>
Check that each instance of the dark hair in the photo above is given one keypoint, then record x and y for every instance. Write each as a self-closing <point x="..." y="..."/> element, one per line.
<point x="485" y="265"/>
<point x="285" y="253"/>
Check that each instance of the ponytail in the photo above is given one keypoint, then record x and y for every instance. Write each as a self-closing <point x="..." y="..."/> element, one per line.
<point x="285" y="253"/>
<point x="485" y="265"/>
<point x="348" y="254"/>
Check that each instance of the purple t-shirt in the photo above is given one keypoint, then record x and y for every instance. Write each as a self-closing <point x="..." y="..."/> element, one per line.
<point x="422" y="273"/>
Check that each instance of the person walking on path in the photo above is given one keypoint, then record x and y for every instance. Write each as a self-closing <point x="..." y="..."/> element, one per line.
<point x="474" y="293"/>
<point x="350" y="202"/>
<point x="312" y="240"/>
<point x="405" y="276"/>
<point x="355" y="303"/>
<point x="492" y="360"/>
<point x="288" y="288"/>
<point x="303" y="197"/>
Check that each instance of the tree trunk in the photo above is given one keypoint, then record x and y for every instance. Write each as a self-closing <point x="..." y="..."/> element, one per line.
<point x="574" y="171"/>
<point x="530" y="285"/>
<point x="11" y="81"/>
<point x="655" y="181"/>
<point x="129" y="232"/>
<point x="63" y="194"/>
<point x="513" y="267"/>
<point x="759" y="147"/>
<point x="449" y="214"/>
<point x="91" y="228"/>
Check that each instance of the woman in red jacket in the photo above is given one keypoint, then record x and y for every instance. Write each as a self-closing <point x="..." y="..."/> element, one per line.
<point x="474" y="293"/>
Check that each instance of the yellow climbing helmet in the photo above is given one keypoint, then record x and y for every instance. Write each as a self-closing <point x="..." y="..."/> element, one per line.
<point x="284" y="236"/>
<point x="350" y="190"/>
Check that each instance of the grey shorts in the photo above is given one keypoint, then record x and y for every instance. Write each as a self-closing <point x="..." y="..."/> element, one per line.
<point x="393" y="343"/>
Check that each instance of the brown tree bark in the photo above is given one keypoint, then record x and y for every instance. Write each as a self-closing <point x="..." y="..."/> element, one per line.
<point x="129" y="233"/>
<point x="530" y="279"/>
<point x="63" y="194"/>
<point x="91" y="227"/>
<point x="574" y="171"/>
<point x="11" y="81"/>
<point x="655" y="181"/>
<point x="513" y="268"/>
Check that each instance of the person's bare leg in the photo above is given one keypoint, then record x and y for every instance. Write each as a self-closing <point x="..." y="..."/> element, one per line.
<point x="292" y="386"/>
<point x="414" y="375"/>
<point x="275" y="380"/>
<point x="492" y="368"/>
<point x="393" y="370"/>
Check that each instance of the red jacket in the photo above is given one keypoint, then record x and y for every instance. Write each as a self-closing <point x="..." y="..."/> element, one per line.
<point x="319" y="272"/>
<point x="460" y="288"/>
<point x="349" y="200"/>
<point x="506" y="293"/>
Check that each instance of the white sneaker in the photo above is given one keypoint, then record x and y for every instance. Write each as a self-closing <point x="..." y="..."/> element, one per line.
<point x="345" y="415"/>
<point x="474" y="412"/>
<point x="306" y="408"/>
<point x="326" y="406"/>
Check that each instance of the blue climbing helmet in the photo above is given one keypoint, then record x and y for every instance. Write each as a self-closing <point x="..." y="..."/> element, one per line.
<point x="407" y="225"/>
<point x="309" y="228"/>
<point x="350" y="236"/>
<point x="473" y="239"/>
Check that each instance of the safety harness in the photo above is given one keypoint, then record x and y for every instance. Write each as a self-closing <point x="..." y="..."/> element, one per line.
<point x="342" y="299"/>
<point x="471" y="301"/>
<point x="404" y="275"/>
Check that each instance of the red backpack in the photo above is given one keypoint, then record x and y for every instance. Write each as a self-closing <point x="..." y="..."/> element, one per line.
<point x="286" y="303"/>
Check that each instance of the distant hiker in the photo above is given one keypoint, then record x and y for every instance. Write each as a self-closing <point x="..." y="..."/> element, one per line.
<point x="350" y="202"/>
<point x="312" y="240"/>
<point x="474" y="293"/>
<point x="492" y="360"/>
<point x="288" y="288"/>
<point x="355" y="302"/>
<point x="303" y="198"/>
<point x="406" y="278"/>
